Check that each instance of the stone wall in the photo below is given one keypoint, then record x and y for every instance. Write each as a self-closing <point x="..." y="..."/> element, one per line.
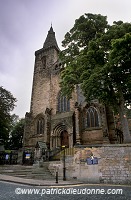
<point x="129" y="121"/>
<point x="41" y="90"/>
<point x="92" y="136"/>
<point x="114" y="164"/>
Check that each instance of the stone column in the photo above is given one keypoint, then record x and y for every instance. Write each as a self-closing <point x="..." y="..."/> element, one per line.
<point x="104" y="125"/>
<point x="27" y="129"/>
<point x="71" y="140"/>
<point x="51" y="141"/>
<point x="47" y="129"/>
<point x="58" y="141"/>
<point x="77" y="123"/>
<point x="111" y="125"/>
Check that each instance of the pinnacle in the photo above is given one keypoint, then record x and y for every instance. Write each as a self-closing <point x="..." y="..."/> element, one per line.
<point x="50" y="39"/>
<point x="51" y="29"/>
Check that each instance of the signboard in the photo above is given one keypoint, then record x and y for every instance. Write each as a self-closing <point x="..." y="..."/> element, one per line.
<point x="92" y="161"/>
<point x="27" y="156"/>
<point x="7" y="156"/>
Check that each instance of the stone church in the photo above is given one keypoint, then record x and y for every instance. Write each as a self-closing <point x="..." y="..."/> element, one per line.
<point x="56" y="120"/>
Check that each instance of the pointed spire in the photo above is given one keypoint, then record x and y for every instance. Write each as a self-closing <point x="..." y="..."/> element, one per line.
<point x="51" y="29"/>
<point x="50" y="39"/>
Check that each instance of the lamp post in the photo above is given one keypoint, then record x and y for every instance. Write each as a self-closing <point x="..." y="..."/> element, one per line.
<point x="64" y="168"/>
<point x="56" y="175"/>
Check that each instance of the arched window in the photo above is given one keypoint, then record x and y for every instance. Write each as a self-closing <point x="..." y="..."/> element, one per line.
<point x="40" y="126"/>
<point x="63" y="103"/>
<point x="91" y="118"/>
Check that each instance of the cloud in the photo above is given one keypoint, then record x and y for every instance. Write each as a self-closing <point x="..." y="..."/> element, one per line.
<point x="24" y="25"/>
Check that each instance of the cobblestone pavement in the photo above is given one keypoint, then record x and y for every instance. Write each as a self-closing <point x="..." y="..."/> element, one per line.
<point x="8" y="192"/>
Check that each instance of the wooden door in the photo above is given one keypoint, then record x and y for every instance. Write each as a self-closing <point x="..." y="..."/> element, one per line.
<point x="64" y="139"/>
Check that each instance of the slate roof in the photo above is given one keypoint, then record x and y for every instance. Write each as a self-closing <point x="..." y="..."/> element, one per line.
<point x="50" y="40"/>
<point x="41" y="145"/>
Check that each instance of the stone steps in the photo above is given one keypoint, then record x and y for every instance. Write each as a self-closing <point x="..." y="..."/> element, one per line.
<point x="34" y="172"/>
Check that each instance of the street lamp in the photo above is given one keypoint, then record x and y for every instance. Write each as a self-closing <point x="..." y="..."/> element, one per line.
<point x="64" y="168"/>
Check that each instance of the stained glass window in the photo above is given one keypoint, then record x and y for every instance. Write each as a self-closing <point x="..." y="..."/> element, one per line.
<point x="40" y="126"/>
<point x="92" y="118"/>
<point x="63" y="103"/>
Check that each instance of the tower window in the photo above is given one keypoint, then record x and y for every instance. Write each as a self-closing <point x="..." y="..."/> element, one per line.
<point x="43" y="59"/>
<point x="91" y="118"/>
<point x="63" y="103"/>
<point x="40" y="126"/>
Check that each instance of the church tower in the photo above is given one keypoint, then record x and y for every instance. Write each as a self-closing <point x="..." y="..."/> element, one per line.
<point x="37" y="126"/>
<point x="51" y="116"/>
<point x="55" y="120"/>
<point x="44" y="60"/>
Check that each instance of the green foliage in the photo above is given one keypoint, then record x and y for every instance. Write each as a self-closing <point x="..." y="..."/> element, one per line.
<point x="16" y="135"/>
<point x="94" y="59"/>
<point x="98" y="57"/>
<point x="7" y="103"/>
<point x="76" y="42"/>
<point x="120" y="64"/>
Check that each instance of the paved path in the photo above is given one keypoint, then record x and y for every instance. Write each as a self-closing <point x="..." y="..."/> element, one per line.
<point x="34" y="182"/>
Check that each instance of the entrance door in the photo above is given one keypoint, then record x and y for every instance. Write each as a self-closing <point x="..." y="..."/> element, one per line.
<point x="64" y="139"/>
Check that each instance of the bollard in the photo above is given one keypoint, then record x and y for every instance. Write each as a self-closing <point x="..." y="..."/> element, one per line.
<point x="56" y="177"/>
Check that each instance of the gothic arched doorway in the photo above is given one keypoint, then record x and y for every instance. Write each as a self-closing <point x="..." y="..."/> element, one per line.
<point x="64" y="139"/>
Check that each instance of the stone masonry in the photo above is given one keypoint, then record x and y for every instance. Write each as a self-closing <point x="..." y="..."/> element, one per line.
<point x="54" y="119"/>
<point x="114" y="164"/>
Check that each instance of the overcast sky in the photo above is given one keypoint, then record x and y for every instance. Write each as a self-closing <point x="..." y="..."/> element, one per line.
<point x="24" y="25"/>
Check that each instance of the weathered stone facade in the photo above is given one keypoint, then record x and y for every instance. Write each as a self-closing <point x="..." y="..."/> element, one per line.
<point x="54" y="119"/>
<point x="114" y="164"/>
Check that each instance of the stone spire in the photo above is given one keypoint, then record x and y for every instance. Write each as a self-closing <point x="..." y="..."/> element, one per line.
<point x="50" y="40"/>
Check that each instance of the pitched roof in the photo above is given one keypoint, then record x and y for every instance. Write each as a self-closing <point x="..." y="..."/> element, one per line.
<point x="41" y="145"/>
<point x="50" y="40"/>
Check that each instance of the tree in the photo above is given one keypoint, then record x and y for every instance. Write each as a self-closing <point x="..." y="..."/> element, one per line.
<point x="86" y="28"/>
<point x="16" y="135"/>
<point x="7" y="104"/>
<point x="128" y="113"/>
<point x="101" y="67"/>
<point x="120" y="75"/>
